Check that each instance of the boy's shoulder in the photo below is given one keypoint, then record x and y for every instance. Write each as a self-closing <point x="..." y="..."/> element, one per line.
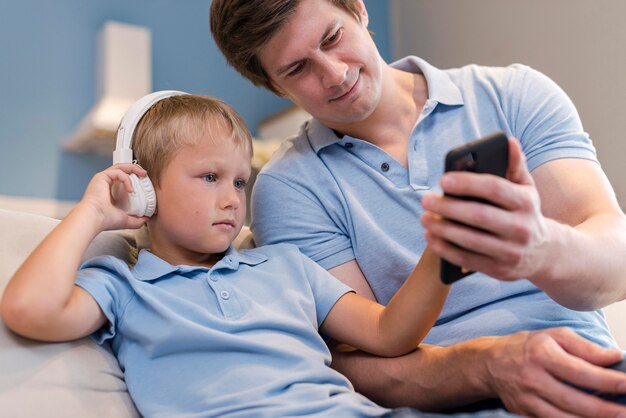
<point x="280" y="255"/>
<point x="107" y="265"/>
<point x="271" y="251"/>
<point x="106" y="262"/>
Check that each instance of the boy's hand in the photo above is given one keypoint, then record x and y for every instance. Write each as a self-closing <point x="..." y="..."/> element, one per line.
<point x="98" y="197"/>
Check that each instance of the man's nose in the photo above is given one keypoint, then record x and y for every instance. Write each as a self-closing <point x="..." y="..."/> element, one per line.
<point x="334" y="71"/>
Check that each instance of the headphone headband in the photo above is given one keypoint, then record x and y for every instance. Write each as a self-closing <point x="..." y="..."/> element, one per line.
<point x="123" y="151"/>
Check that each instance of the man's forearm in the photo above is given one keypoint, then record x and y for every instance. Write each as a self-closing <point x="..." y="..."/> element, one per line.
<point x="585" y="272"/>
<point x="430" y="378"/>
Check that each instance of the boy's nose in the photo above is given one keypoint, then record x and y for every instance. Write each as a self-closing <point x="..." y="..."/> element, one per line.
<point x="230" y="199"/>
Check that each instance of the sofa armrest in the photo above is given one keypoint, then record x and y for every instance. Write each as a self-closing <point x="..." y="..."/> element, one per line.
<point x="74" y="379"/>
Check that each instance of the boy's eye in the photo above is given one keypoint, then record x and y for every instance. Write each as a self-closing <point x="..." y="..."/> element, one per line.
<point x="240" y="184"/>
<point x="209" y="178"/>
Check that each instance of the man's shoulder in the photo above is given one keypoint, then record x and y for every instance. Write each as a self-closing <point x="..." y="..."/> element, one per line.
<point x="466" y="76"/>
<point x="294" y="158"/>
<point x="472" y="75"/>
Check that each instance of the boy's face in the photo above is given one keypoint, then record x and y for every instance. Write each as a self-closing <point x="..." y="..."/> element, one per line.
<point x="326" y="62"/>
<point x="201" y="201"/>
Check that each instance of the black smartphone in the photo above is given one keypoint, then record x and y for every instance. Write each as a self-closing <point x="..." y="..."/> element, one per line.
<point x="485" y="155"/>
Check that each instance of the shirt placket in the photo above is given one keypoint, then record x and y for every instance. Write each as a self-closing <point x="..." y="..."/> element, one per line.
<point x="226" y="297"/>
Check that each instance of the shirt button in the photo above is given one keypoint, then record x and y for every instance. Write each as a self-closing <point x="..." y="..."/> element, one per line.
<point x="349" y="145"/>
<point x="224" y="294"/>
<point x="384" y="167"/>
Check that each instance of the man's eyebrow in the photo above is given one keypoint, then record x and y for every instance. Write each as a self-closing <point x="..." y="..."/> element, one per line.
<point x="327" y="32"/>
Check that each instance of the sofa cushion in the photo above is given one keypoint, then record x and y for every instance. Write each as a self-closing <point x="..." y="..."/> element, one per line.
<point x="75" y="379"/>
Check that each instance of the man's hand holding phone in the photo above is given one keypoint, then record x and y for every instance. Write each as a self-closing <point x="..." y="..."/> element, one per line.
<point x="489" y="223"/>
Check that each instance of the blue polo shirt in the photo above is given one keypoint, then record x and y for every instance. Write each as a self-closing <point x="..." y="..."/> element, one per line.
<point x="341" y="199"/>
<point x="239" y="339"/>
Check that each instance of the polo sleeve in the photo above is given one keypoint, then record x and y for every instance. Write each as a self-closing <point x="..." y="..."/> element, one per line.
<point x="287" y="212"/>
<point x="326" y="288"/>
<point x="104" y="278"/>
<point x="544" y="119"/>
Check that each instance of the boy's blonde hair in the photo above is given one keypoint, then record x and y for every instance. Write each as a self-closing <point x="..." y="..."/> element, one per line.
<point x="179" y="121"/>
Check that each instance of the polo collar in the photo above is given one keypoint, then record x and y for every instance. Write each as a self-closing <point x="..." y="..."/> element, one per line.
<point x="319" y="135"/>
<point x="440" y="90"/>
<point x="151" y="267"/>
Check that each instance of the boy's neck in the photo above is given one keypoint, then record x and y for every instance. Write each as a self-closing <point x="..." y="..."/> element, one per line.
<point x="181" y="256"/>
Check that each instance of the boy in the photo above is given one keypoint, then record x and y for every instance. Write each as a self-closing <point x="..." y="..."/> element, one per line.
<point x="198" y="327"/>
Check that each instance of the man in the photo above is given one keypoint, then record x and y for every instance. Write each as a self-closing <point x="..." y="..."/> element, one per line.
<point x="351" y="189"/>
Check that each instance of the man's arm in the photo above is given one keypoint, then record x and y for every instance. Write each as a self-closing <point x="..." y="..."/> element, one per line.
<point x="525" y="370"/>
<point x="41" y="300"/>
<point x="561" y="228"/>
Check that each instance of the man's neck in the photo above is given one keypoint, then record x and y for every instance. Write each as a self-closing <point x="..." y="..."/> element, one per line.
<point x="390" y="125"/>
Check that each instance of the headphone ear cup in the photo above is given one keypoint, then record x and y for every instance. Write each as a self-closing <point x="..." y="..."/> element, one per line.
<point x="142" y="201"/>
<point x="149" y="194"/>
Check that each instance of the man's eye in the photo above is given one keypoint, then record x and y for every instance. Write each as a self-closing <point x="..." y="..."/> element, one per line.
<point x="210" y="178"/>
<point x="240" y="184"/>
<point x="296" y="70"/>
<point x="334" y="38"/>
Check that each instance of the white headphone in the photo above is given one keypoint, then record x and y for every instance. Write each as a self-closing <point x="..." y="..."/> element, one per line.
<point x="142" y="200"/>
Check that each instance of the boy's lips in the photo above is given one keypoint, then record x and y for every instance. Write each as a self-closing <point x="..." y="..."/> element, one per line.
<point x="225" y="222"/>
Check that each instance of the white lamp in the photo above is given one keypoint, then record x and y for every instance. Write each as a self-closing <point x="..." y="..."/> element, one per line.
<point x="124" y="75"/>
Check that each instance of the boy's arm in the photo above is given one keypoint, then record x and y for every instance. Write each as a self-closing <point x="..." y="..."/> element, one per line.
<point x="400" y="326"/>
<point x="41" y="300"/>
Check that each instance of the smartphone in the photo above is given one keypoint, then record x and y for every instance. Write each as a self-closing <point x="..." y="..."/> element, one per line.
<point x="485" y="155"/>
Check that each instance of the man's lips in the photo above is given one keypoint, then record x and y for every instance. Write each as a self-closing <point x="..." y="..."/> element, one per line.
<point x="348" y="92"/>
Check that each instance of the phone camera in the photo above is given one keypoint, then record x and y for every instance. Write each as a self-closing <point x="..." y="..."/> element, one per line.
<point x="465" y="163"/>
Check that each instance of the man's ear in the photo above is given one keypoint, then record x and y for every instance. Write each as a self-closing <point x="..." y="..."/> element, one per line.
<point x="278" y="91"/>
<point x="365" y="20"/>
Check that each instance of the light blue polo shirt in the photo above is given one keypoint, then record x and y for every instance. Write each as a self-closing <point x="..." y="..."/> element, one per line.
<point x="237" y="340"/>
<point x="340" y="199"/>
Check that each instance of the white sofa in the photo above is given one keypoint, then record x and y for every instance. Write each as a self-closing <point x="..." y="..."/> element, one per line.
<point x="74" y="379"/>
<point x="80" y="378"/>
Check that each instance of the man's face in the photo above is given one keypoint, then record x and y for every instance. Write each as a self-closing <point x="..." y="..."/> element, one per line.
<point x="326" y="62"/>
<point x="201" y="200"/>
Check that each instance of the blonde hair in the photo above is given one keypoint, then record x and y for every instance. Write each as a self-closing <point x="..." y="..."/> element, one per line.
<point x="179" y="121"/>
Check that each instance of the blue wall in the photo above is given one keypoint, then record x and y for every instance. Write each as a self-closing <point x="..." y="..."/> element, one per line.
<point x="47" y="79"/>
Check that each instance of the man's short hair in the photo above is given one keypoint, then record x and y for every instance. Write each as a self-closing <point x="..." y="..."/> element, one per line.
<point x="242" y="27"/>
<point x="179" y="121"/>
